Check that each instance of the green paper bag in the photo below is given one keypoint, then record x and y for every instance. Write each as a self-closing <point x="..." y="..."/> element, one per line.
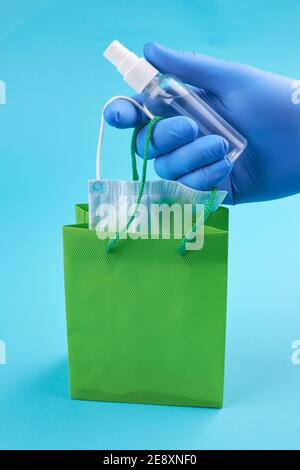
<point x="144" y="324"/>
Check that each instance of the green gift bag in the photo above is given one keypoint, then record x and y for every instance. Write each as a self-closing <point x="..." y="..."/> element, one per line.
<point x="144" y="324"/>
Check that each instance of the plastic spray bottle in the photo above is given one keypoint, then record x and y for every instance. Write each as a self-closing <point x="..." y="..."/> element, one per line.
<point x="167" y="95"/>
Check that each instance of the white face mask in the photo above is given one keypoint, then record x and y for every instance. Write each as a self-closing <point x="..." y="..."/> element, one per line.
<point x="114" y="200"/>
<point x="122" y="196"/>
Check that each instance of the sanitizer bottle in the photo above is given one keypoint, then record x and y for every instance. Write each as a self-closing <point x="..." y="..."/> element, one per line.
<point x="166" y="95"/>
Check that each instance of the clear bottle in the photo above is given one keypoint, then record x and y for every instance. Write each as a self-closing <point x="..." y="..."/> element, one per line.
<point x="166" y="95"/>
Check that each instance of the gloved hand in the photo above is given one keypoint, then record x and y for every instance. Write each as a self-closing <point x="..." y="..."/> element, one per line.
<point x="257" y="103"/>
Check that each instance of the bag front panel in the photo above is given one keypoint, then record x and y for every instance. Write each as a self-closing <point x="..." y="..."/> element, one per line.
<point x="145" y="325"/>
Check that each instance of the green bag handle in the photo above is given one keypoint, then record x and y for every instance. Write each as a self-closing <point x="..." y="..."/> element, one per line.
<point x="150" y="126"/>
<point x="135" y="176"/>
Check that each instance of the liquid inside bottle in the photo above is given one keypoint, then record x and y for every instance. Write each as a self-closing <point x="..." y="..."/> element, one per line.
<point x="167" y="96"/>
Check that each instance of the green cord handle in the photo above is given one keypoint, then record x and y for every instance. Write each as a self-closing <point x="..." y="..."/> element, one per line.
<point x="181" y="249"/>
<point x="135" y="176"/>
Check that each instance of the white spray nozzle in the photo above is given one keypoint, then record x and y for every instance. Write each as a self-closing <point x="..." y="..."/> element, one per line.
<point x="136" y="71"/>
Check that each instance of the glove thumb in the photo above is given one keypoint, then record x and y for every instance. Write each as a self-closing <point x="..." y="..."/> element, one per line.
<point x="202" y="71"/>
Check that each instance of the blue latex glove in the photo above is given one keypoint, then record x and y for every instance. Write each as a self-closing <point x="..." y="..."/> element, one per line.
<point x="257" y="103"/>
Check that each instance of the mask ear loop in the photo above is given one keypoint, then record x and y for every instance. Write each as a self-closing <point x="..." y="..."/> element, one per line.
<point x="101" y="130"/>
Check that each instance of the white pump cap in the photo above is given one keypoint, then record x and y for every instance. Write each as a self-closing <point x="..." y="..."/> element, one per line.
<point x="136" y="71"/>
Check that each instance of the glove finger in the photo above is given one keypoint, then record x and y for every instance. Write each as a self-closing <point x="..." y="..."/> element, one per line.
<point x="209" y="176"/>
<point x="167" y="135"/>
<point x="187" y="158"/>
<point x="199" y="70"/>
<point x="124" y="114"/>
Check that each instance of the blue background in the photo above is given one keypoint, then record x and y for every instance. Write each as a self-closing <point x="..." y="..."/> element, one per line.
<point x="57" y="81"/>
